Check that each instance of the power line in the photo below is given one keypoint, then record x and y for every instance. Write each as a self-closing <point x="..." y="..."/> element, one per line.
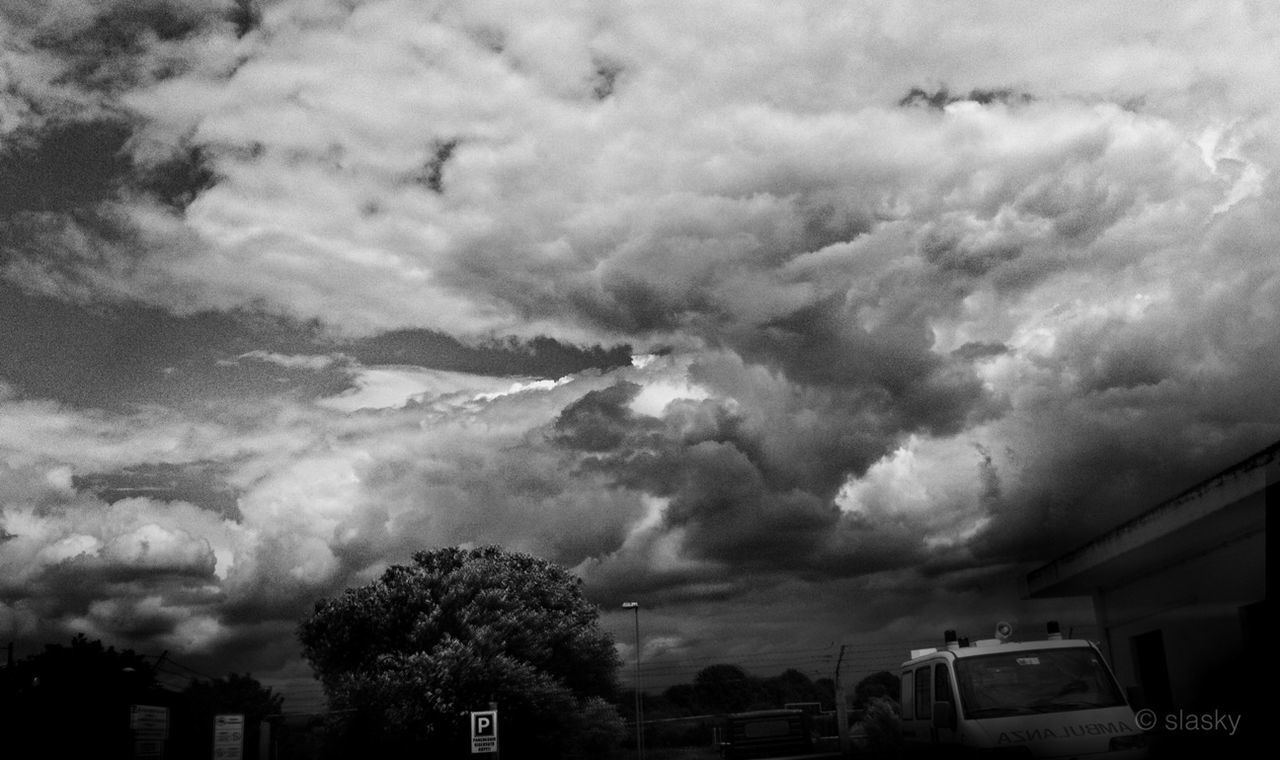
<point x="668" y="668"/>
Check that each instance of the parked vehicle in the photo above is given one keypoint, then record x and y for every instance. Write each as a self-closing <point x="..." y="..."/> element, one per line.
<point x="1051" y="698"/>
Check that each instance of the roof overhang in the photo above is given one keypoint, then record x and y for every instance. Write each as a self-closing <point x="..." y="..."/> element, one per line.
<point x="1225" y="508"/>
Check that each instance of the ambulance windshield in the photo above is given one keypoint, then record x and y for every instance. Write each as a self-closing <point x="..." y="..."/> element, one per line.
<point x="1034" y="681"/>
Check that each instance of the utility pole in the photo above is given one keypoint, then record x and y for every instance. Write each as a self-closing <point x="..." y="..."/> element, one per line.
<point x="635" y="607"/>
<point x="493" y="705"/>
<point x="842" y="707"/>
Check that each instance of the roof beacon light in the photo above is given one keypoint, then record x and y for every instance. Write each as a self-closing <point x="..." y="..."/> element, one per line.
<point x="1055" y="633"/>
<point x="1004" y="631"/>
<point x="949" y="636"/>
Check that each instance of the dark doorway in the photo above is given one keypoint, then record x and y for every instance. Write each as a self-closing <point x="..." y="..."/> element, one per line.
<point x="1153" y="669"/>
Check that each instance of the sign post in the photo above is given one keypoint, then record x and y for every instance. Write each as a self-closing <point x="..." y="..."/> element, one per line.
<point x="484" y="732"/>
<point x="228" y="737"/>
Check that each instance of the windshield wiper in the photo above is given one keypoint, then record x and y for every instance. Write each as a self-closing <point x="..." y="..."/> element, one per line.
<point x="1052" y="706"/>
<point x="998" y="712"/>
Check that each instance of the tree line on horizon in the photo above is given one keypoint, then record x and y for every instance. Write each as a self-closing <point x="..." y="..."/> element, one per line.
<point x="728" y="688"/>
<point x="76" y="699"/>
<point x="404" y="660"/>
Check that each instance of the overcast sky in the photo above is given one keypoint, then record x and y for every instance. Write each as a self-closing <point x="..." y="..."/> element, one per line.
<point x="797" y="322"/>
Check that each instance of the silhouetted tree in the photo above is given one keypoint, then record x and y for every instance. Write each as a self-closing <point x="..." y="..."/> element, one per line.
<point x="74" y="700"/>
<point x="793" y="686"/>
<point x="414" y="651"/>
<point x="681" y="699"/>
<point x="880" y="684"/>
<point x="241" y="694"/>
<point x="726" y="688"/>
<point x="233" y="695"/>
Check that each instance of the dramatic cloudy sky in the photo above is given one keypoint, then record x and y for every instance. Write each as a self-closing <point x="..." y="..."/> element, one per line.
<point x="798" y="322"/>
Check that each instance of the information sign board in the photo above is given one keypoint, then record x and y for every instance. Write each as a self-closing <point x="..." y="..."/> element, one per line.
<point x="228" y="737"/>
<point x="150" y="721"/>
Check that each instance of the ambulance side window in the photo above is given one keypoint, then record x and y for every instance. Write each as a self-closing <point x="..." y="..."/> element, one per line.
<point x="907" y="703"/>
<point x="924" y="701"/>
<point x="942" y="684"/>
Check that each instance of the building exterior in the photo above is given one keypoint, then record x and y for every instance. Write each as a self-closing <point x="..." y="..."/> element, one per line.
<point x="1180" y="593"/>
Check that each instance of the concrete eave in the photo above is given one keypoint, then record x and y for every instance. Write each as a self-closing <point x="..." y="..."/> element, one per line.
<point x="1227" y="506"/>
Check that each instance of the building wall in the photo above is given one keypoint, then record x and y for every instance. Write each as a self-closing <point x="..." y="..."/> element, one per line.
<point x="1196" y="606"/>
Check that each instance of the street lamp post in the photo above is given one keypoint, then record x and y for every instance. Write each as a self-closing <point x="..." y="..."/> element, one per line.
<point x="635" y="607"/>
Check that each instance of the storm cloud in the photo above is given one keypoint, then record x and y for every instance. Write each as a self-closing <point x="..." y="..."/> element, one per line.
<point x="739" y="309"/>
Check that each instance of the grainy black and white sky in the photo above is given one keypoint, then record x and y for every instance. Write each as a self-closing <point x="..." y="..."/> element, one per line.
<point x="798" y="322"/>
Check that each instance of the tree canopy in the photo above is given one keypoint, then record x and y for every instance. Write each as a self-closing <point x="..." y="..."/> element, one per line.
<point x="413" y="652"/>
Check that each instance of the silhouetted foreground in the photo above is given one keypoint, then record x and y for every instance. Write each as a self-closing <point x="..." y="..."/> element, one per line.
<point x="87" y="700"/>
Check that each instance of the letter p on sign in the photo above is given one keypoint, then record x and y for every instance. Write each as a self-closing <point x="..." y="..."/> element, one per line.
<point x="484" y="731"/>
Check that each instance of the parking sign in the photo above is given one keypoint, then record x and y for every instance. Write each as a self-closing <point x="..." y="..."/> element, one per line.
<point x="484" y="731"/>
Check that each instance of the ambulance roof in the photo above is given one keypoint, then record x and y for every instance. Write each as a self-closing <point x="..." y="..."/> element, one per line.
<point x="993" y="646"/>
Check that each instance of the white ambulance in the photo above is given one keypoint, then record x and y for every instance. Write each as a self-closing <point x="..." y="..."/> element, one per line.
<point x="1054" y="698"/>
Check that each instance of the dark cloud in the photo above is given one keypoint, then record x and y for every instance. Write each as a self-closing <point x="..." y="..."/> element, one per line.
<point x="731" y="516"/>
<point x="178" y="180"/>
<point x="974" y="350"/>
<point x="63" y="206"/>
<point x="889" y="367"/>
<point x="628" y="303"/>
<point x="750" y="483"/>
<point x="605" y="79"/>
<point x="114" y="356"/>
<point x="951" y="253"/>
<point x="200" y="483"/>
<point x="77" y="159"/>
<point x="104" y="55"/>
<point x="1125" y="365"/>
<point x="246" y="15"/>
<point x="716" y="477"/>
<point x="62" y="166"/>
<point x="942" y="97"/>
<point x="130" y="578"/>
<point x="830" y="220"/>
<point x="125" y="44"/>
<point x="433" y="173"/>
<point x="541" y="356"/>
<point x="1095" y="475"/>
<point x="600" y="421"/>
<point x="117" y="356"/>
<point x="136" y="583"/>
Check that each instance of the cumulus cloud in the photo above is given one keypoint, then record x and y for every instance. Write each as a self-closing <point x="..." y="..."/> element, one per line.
<point x="322" y="498"/>
<point x="693" y="193"/>
<point x="919" y="295"/>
